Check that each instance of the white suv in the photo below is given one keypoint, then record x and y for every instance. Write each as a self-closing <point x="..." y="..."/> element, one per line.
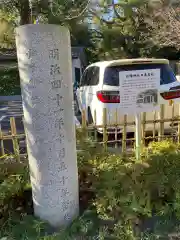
<point x="99" y="89"/>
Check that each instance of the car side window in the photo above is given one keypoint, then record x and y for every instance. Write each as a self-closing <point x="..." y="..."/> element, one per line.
<point x="88" y="77"/>
<point x="94" y="76"/>
<point x="83" y="79"/>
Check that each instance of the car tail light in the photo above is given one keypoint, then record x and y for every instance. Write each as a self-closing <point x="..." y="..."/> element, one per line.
<point x="108" y="96"/>
<point x="171" y="95"/>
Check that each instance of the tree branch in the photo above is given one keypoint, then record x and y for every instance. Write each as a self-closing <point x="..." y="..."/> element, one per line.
<point x="84" y="9"/>
<point x="81" y="13"/>
<point x="169" y="27"/>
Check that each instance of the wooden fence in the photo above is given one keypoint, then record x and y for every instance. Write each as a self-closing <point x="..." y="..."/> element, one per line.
<point x="12" y="139"/>
<point x="123" y="141"/>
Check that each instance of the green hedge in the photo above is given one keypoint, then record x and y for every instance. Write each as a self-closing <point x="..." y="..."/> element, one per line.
<point x="119" y="198"/>
<point x="9" y="82"/>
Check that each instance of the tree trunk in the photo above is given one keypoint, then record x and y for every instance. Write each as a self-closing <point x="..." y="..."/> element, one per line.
<point x="25" y="12"/>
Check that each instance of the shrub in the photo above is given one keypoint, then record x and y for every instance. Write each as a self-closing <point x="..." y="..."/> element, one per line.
<point x="134" y="192"/>
<point x="121" y="198"/>
<point x="14" y="180"/>
<point x="9" y="82"/>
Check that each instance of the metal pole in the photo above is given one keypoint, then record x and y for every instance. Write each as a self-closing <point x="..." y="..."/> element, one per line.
<point x="138" y="135"/>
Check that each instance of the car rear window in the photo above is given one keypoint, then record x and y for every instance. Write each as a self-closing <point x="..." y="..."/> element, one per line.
<point x="111" y="74"/>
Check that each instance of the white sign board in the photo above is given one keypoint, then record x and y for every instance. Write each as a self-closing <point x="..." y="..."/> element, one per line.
<point x="139" y="90"/>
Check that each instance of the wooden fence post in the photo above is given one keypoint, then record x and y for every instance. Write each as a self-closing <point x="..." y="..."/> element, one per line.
<point x="143" y="129"/>
<point x="14" y="138"/>
<point x="105" y="137"/>
<point x="173" y="116"/>
<point x="116" y="129"/>
<point x="95" y="123"/>
<point x="154" y="126"/>
<point x="124" y="135"/>
<point x="138" y="135"/>
<point x="84" y="123"/>
<point x="161" y="120"/>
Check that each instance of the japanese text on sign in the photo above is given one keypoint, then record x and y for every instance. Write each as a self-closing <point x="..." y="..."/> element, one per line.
<point x="139" y="90"/>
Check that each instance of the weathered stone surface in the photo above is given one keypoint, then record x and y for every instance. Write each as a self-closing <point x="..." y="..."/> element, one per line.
<point x="44" y="59"/>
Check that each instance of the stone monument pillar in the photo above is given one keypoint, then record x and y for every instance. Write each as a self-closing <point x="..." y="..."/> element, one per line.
<point x="44" y="60"/>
